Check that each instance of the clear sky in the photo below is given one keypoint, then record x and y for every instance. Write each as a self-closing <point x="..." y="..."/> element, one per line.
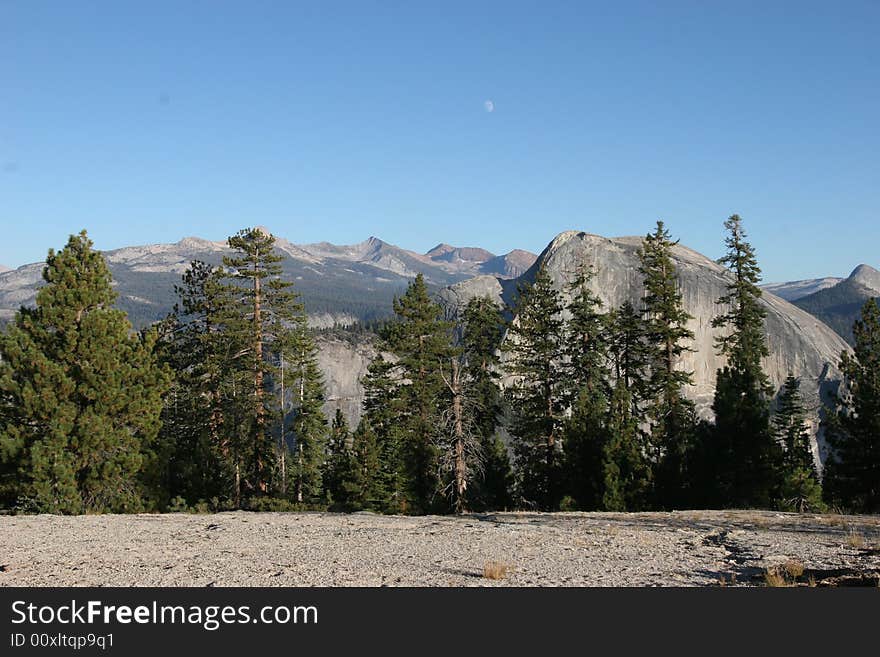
<point x="149" y="121"/>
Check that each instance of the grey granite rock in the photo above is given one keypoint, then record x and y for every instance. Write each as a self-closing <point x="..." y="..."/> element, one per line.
<point x="799" y="343"/>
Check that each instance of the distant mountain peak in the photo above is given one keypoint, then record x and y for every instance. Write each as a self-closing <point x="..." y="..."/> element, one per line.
<point x="867" y="276"/>
<point x="462" y="254"/>
<point x="439" y="250"/>
<point x="194" y="243"/>
<point x="3" y="268"/>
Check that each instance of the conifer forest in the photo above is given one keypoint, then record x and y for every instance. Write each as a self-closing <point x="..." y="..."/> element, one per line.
<point x="555" y="403"/>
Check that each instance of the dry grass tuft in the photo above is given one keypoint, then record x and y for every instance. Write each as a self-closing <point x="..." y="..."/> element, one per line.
<point x="775" y="577"/>
<point x="855" y="540"/>
<point x="793" y="568"/>
<point x="495" y="570"/>
<point x="727" y="580"/>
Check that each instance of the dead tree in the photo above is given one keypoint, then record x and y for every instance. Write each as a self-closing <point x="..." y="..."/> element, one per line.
<point x="460" y="451"/>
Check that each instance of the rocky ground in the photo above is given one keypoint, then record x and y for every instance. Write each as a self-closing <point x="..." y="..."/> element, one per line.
<point x="693" y="548"/>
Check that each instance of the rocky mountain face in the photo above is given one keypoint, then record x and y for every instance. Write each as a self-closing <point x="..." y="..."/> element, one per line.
<point x="799" y="343"/>
<point x="793" y="290"/>
<point x="841" y="304"/>
<point x="867" y="277"/>
<point x="343" y="362"/>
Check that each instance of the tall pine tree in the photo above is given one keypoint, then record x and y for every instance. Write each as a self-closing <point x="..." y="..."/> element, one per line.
<point x="587" y="391"/>
<point x="535" y="346"/>
<point x="799" y="480"/>
<point x="482" y="330"/>
<point x="852" y="472"/>
<point x="81" y="394"/>
<point x="382" y="409"/>
<point x="269" y="322"/>
<point x="197" y="413"/>
<point x="672" y="416"/>
<point x="421" y="340"/>
<point x="745" y="453"/>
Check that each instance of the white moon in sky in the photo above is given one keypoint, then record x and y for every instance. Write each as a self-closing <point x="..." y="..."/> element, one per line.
<point x="489" y="105"/>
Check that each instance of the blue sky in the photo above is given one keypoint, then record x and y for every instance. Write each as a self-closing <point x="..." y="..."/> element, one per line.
<point x="149" y="121"/>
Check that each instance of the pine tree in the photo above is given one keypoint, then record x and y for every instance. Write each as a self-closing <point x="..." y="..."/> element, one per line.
<point x="799" y="480"/>
<point x="671" y="415"/>
<point x="852" y="472"/>
<point x="535" y="345"/>
<point x="746" y="455"/>
<point x="363" y="486"/>
<point x="626" y="473"/>
<point x="338" y="461"/>
<point x="587" y="391"/>
<point x="195" y="418"/>
<point x="81" y="394"/>
<point x="421" y="341"/>
<point x="269" y="321"/>
<point x="481" y="333"/>
<point x="308" y="425"/>
<point x="381" y="409"/>
<point x="586" y="436"/>
<point x="629" y="356"/>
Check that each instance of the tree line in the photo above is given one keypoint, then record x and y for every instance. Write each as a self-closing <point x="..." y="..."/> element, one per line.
<point x="557" y="403"/>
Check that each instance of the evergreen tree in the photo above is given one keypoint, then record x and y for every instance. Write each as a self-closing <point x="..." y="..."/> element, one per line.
<point x="746" y="455"/>
<point x="536" y="347"/>
<point x="495" y="480"/>
<point x="629" y="356"/>
<point x="81" y="394"/>
<point x="671" y="415"/>
<point x="852" y="472"/>
<point x="420" y="340"/>
<point x="587" y="392"/>
<point x="197" y="411"/>
<point x="626" y="474"/>
<point x="363" y="486"/>
<point x="482" y="330"/>
<point x="586" y="437"/>
<point x="799" y="480"/>
<point x="308" y="425"/>
<point x="382" y="407"/>
<point x="338" y="462"/>
<point x="269" y="322"/>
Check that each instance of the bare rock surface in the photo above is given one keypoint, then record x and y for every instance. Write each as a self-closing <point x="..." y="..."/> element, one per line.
<point x="693" y="548"/>
<point x="344" y="363"/>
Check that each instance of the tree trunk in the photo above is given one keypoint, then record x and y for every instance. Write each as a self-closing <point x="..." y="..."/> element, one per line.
<point x="299" y="479"/>
<point x="282" y="444"/>
<point x="258" y="378"/>
<point x="460" y="466"/>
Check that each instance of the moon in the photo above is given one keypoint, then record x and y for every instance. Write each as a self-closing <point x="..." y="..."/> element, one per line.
<point x="489" y="105"/>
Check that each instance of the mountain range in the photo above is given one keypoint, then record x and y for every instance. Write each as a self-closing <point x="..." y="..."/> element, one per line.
<point x="338" y="284"/>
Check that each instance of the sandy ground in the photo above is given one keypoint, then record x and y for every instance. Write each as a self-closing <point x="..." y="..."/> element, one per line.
<point x="693" y="548"/>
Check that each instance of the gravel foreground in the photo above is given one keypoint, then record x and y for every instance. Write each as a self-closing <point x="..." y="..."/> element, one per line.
<point x="692" y="548"/>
